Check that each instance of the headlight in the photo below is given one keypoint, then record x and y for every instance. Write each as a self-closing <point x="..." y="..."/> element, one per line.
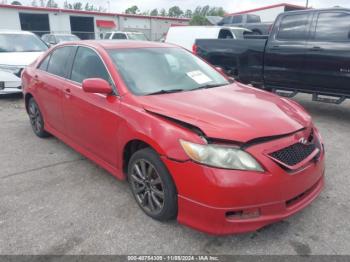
<point x="221" y="156"/>
<point x="10" y="69"/>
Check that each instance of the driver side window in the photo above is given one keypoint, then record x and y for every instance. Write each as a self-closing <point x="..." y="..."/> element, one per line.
<point x="87" y="64"/>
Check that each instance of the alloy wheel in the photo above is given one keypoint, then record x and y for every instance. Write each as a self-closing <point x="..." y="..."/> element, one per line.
<point x="147" y="186"/>
<point x="35" y="117"/>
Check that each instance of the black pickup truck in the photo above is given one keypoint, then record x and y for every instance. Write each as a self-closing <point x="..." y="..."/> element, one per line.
<point x="306" y="51"/>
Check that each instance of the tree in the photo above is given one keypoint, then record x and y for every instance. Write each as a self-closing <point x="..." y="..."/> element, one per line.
<point x="34" y="3"/>
<point x="16" y="3"/>
<point x="199" y="20"/>
<point x="175" y="11"/>
<point x="132" y="10"/>
<point x="200" y="13"/>
<point x="52" y="4"/>
<point x="188" y="13"/>
<point x="42" y="3"/>
<point x="154" y="12"/>
<point x="163" y="12"/>
<point x="78" y="6"/>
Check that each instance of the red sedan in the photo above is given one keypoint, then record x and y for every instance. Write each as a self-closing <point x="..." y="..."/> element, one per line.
<point x="217" y="155"/>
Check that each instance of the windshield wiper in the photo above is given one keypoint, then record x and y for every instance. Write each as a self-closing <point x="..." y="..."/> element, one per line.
<point x="207" y="86"/>
<point x="165" y="92"/>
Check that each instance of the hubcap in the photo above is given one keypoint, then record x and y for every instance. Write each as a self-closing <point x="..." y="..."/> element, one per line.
<point x="147" y="186"/>
<point x="35" y="118"/>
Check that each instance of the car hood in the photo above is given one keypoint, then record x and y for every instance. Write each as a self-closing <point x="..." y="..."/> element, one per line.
<point x="234" y="112"/>
<point x="18" y="58"/>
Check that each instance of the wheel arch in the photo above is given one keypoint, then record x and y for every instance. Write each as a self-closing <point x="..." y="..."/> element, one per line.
<point x="26" y="100"/>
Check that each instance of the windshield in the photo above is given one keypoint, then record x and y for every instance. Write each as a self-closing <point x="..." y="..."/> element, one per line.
<point x="66" y="38"/>
<point x="21" y="43"/>
<point x="133" y="36"/>
<point x="151" y="70"/>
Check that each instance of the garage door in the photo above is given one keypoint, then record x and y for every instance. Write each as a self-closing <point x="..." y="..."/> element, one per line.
<point x="36" y="23"/>
<point x="83" y="27"/>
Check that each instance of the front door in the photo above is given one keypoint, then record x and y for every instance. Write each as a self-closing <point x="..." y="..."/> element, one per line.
<point x="285" y="52"/>
<point x="91" y="120"/>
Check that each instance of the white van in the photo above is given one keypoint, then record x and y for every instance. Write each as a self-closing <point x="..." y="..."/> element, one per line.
<point x="185" y="36"/>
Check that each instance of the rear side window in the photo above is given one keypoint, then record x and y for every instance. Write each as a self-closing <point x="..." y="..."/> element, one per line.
<point x="237" y="19"/>
<point x="88" y="64"/>
<point x="108" y="35"/>
<point x="226" y="20"/>
<point x="225" y="34"/>
<point x="45" y="63"/>
<point x="119" y="36"/>
<point x="253" y="19"/>
<point x="59" y="60"/>
<point x="333" y="26"/>
<point x="293" y="27"/>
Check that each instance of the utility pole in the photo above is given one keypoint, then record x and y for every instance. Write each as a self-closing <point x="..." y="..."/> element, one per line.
<point x="307" y="3"/>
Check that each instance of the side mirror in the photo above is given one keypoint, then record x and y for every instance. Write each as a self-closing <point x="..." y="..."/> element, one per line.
<point x="97" y="85"/>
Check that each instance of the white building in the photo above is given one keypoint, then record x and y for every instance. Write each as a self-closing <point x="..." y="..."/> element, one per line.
<point x="85" y="24"/>
<point x="269" y="13"/>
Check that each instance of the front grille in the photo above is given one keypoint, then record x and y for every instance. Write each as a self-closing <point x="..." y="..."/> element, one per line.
<point x="294" y="154"/>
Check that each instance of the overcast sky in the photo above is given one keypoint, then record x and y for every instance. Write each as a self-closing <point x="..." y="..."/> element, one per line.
<point x="229" y="5"/>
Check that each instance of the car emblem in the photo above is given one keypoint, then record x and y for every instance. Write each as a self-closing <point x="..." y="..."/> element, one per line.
<point x="303" y="140"/>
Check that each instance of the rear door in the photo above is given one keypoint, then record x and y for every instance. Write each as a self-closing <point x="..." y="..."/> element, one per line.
<point x="285" y="51"/>
<point x="92" y="120"/>
<point x="328" y="56"/>
<point x="50" y="78"/>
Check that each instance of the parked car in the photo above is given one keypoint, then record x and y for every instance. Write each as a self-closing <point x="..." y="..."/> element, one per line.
<point x="17" y="50"/>
<point x="249" y="21"/>
<point x="186" y="36"/>
<point x="220" y="156"/>
<point x="307" y="51"/>
<point x="54" y="39"/>
<point x="118" y="35"/>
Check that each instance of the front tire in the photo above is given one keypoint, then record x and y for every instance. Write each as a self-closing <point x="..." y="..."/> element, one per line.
<point x="36" y="119"/>
<point x="152" y="185"/>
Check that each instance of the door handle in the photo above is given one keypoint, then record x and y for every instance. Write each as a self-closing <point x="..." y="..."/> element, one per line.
<point x="67" y="90"/>
<point x="36" y="78"/>
<point x="275" y="47"/>
<point x="315" y="48"/>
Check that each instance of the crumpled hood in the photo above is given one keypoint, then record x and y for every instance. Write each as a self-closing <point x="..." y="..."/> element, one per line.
<point x="234" y="112"/>
<point x="18" y="58"/>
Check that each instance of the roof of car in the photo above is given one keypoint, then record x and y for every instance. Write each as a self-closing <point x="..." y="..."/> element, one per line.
<point x="112" y="44"/>
<point x="4" y="31"/>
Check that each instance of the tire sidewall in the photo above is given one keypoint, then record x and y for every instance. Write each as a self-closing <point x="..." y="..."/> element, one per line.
<point x="169" y="209"/>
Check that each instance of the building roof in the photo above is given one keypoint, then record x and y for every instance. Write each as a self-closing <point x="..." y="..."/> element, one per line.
<point x="269" y="7"/>
<point x="72" y="11"/>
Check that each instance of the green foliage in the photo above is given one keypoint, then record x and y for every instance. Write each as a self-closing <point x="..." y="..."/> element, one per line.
<point x="78" y="6"/>
<point x="16" y="3"/>
<point x="199" y="20"/>
<point x="188" y="13"/>
<point x="175" y="11"/>
<point x="154" y="12"/>
<point x="163" y="12"/>
<point x="52" y="4"/>
<point x="132" y="10"/>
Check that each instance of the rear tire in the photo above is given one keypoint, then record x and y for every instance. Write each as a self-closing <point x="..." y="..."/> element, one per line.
<point x="36" y="119"/>
<point x="152" y="185"/>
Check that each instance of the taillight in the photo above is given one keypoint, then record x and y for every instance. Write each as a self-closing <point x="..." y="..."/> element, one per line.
<point x="194" y="49"/>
